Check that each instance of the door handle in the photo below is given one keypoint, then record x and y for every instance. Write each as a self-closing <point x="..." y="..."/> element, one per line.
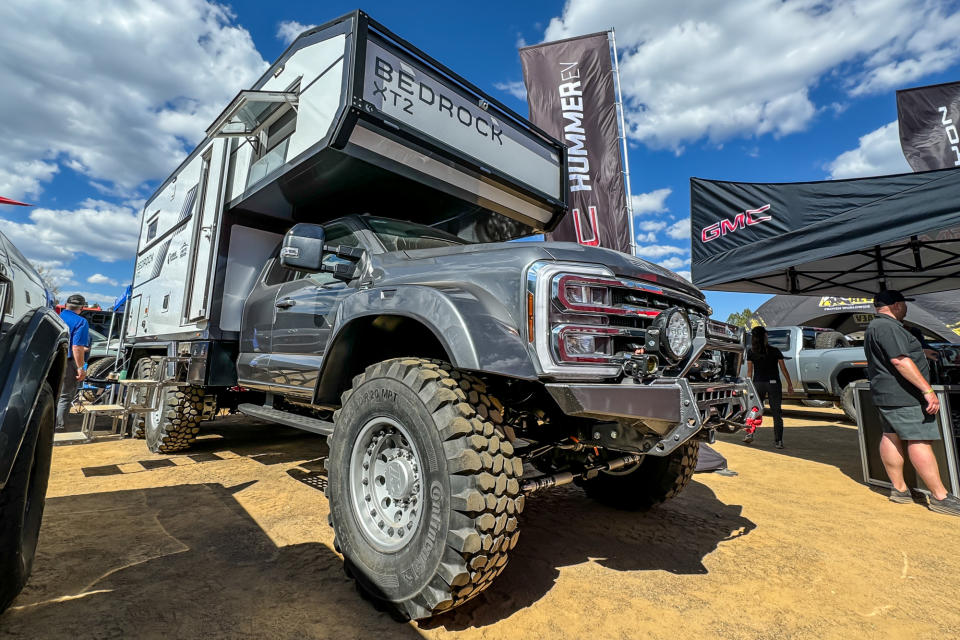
<point x="285" y="303"/>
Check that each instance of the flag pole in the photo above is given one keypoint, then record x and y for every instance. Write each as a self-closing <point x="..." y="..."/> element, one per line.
<point x="622" y="133"/>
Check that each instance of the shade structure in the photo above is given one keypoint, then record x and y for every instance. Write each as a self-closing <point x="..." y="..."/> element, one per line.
<point x="829" y="238"/>
<point x="13" y="202"/>
<point x="938" y="314"/>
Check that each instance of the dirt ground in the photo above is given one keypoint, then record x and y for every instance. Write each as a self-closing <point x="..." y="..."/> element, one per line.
<point x="232" y="542"/>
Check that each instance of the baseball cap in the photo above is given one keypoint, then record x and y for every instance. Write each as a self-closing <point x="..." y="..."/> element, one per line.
<point x="77" y="299"/>
<point x="887" y="297"/>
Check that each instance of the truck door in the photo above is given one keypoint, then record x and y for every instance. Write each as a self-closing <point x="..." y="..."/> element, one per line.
<point x="303" y="319"/>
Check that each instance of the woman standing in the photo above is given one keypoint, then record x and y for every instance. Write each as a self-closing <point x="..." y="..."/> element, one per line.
<point x="762" y="363"/>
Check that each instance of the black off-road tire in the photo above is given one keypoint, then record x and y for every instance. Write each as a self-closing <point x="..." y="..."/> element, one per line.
<point x="654" y="481"/>
<point x="97" y="369"/>
<point x="829" y="340"/>
<point x="472" y="487"/>
<point x="22" y="499"/>
<point x="848" y="401"/>
<point x="175" y="425"/>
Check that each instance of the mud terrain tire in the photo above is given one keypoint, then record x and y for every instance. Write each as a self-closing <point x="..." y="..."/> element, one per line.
<point x="829" y="340"/>
<point x="174" y="426"/>
<point x="22" y="500"/>
<point x="654" y="481"/>
<point x="98" y="369"/>
<point x="445" y="421"/>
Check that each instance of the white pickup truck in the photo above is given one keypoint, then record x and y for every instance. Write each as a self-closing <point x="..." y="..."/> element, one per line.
<point x="822" y="364"/>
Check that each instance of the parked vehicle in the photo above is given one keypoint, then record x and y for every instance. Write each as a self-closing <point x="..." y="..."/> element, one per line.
<point x="33" y="351"/>
<point x="822" y="364"/>
<point x="332" y="258"/>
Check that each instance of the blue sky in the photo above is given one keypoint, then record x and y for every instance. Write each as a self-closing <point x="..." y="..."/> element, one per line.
<point x="102" y="98"/>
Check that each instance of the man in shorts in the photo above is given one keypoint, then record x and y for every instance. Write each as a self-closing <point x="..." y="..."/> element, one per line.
<point x="900" y="382"/>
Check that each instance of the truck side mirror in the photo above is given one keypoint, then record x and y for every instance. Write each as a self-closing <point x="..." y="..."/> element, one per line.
<point x="302" y="248"/>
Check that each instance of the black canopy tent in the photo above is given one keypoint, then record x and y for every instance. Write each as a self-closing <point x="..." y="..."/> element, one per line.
<point x="836" y="237"/>
<point x="937" y="314"/>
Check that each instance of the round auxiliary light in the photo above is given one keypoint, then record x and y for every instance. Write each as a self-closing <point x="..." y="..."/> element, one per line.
<point x="679" y="336"/>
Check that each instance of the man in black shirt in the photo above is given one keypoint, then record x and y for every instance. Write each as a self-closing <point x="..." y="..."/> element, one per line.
<point x="900" y="383"/>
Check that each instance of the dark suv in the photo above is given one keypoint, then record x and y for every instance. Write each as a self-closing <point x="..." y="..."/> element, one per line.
<point x="33" y="351"/>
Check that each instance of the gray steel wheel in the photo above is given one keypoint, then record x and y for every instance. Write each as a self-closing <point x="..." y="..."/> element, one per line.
<point x="387" y="487"/>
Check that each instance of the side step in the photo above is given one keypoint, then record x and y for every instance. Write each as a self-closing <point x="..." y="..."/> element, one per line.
<point x="321" y="427"/>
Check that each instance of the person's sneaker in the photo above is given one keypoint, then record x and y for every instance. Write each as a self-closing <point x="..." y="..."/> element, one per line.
<point x="748" y="438"/>
<point x="901" y="497"/>
<point x="950" y="505"/>
<point x="778" y="444"/>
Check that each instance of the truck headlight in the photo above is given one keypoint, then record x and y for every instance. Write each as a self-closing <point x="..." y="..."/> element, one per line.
<point x="679" y="336"/>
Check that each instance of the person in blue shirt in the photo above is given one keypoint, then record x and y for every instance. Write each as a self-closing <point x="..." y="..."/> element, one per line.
<point x="73" y="373"/>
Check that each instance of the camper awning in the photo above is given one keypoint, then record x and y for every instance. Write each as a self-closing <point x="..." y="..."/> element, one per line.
<point x="249" y="112"/>
<point x="837" y="237"/>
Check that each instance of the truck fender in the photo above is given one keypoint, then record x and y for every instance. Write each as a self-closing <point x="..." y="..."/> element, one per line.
<point x="28" y="352"/>
<point x="835" y="387"/>
<point x="476" y="334"/>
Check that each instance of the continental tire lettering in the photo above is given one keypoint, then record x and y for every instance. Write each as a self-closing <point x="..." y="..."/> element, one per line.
<point x="419" y="565"/>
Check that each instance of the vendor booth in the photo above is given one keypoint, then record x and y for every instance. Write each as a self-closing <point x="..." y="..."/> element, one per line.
<point x="838" y="239"/>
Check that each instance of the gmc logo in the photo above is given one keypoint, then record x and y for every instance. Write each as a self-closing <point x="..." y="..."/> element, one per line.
<point x="740" y="221"/>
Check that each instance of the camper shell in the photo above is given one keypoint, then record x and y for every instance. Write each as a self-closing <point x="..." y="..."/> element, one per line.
<point x="350" y="119"/>
<point x="332" y="257"/>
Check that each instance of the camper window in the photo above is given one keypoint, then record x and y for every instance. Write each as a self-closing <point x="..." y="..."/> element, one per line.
<point x="152" y="227"/>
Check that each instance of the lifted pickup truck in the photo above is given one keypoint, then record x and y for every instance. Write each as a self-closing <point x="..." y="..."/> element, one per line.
<point x="33" y="352"/>
<point x="822" y="363"/>
<point x="454" y="374"/>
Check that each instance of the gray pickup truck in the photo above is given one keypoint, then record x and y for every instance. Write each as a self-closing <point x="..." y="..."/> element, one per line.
<point x="822" y="364"/>
<point x="342" y="267"/>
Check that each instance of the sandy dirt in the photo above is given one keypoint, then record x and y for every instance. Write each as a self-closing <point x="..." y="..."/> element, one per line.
<point x="233" y="542"/>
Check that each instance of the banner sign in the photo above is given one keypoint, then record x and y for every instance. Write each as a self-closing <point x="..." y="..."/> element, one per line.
<point x="929" y="118"/>
<point x="570" y="89"/>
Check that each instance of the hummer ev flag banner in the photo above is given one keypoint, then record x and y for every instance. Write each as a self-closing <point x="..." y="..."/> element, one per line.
<point x="929" y="120"/>
<point x="570" y="89"/>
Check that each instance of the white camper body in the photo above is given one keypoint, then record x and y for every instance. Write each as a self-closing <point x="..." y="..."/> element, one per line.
<point x="350" y="119"/>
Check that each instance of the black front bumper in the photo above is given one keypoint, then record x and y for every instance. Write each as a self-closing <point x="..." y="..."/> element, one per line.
<point x="674" y="409"/>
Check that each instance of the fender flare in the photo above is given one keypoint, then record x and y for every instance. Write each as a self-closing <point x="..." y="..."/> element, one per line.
<point x="475" y="331"/>
<point x="28" y="352"/>
<point x="839" y="368"/>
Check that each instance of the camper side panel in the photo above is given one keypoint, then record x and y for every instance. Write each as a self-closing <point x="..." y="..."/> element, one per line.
<point x="317" y="71"/>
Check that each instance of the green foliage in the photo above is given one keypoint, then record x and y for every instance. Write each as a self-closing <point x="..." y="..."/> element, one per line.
<point x="745" y="318"/>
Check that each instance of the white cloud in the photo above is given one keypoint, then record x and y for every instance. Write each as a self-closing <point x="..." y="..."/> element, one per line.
<point x="652" y="225"/>
<point x="516" y="89"/>
<point x="674" y="263"/>
<point x="878" y="154"/>
<point x="658" y="250"/>
<point x="117" y="90"/>
<point x="721" y="70"/>
<point x="103" y="230"/>
<point x="652" y="202"/>
<point x="54" y="272"/>
<point x="685" y="275"/>
<point x="680" y="230"/>
<point x="647" y="237"/>
<point x="99" y="278"/>
<point x="288" y="30"/>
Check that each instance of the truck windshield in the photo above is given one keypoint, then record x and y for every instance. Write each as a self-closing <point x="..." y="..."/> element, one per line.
<point x="779" y="338"/>
<point x="397" y="235"/>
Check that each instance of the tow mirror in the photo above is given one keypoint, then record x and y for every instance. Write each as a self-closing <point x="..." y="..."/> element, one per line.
<point x="302" y="248"/>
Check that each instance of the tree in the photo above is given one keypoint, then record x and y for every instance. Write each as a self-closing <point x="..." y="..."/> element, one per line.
<point x="745" y="318"/>
<point x="48" y="281"/>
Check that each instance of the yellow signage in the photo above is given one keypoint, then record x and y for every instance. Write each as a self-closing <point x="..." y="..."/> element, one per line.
<point x="862" y="318"/>
<point x="833" y="301"/>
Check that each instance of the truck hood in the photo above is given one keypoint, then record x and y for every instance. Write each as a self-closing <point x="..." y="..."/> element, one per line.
<point x="620" y="263"/>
